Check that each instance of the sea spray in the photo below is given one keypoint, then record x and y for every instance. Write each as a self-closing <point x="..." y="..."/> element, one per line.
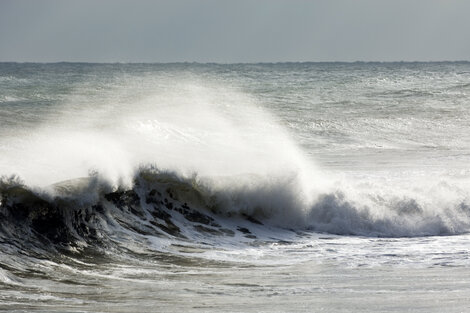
<point x="212" y="131"/>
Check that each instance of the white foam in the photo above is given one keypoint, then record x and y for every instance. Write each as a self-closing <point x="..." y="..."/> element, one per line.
<point x="209" y="130"/>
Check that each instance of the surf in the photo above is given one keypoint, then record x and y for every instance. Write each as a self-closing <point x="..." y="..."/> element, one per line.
<point x="219" y="150"/>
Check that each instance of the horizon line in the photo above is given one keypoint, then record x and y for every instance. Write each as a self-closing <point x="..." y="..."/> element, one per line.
<point x="235" y="63"/>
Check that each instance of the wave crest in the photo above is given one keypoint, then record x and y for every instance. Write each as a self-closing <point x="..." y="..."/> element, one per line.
<point x="89" y="212"/>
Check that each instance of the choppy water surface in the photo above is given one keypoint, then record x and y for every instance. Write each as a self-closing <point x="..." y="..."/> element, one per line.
<point x="235" y="188"/>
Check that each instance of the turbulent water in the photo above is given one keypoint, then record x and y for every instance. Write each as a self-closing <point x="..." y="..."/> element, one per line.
<point x="332" y="187"/>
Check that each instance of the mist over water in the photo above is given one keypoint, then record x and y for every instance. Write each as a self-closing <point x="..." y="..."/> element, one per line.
<point x="199" y="165"/>
<point x="182" y="126"/>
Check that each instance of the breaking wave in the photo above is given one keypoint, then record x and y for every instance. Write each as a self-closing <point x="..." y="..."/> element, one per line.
<point x="227" y="170"/>
<point x="91" y="213"/>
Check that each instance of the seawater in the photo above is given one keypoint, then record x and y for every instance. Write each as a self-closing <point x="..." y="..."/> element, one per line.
<point x="300" y="187"/>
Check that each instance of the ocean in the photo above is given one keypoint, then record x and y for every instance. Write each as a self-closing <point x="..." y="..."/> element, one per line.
<point x="187" y="187"/>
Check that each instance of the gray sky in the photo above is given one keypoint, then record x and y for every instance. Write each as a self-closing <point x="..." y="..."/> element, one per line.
<point x="234" y="31"/>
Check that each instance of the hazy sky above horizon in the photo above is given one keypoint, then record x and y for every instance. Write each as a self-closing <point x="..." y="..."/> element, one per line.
<point x="234" y="31"/>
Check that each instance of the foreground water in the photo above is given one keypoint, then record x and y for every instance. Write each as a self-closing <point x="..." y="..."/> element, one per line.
<point x="235" y="188"/>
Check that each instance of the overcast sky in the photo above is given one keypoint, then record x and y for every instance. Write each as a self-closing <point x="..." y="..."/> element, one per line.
<point x="234" y="31"/>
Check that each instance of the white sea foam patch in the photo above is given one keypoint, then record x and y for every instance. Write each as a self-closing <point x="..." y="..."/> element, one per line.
<point x="6" y="278"/>
<point x="6" y="98"/>
<point x="404" y="206"/>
